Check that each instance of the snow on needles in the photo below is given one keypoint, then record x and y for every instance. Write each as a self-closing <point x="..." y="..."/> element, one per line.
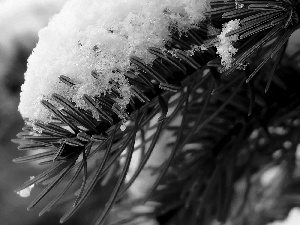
<point x="99" y="36"/>
<point x="225" y="48"/>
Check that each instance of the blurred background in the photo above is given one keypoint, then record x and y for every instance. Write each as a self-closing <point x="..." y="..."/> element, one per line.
<point x="20" y="21"/>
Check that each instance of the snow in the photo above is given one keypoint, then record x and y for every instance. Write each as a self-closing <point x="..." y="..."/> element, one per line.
<point x="225" y="48"/>
<point x="99" y="36"/>
<point x="25" y="193"/>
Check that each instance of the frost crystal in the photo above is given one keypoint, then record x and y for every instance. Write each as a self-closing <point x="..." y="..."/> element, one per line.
<point x="91" y="41"/>
<point x="225" y="48"/>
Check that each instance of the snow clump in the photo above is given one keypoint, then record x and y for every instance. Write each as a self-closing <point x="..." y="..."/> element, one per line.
<point x="99" y="37"/>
